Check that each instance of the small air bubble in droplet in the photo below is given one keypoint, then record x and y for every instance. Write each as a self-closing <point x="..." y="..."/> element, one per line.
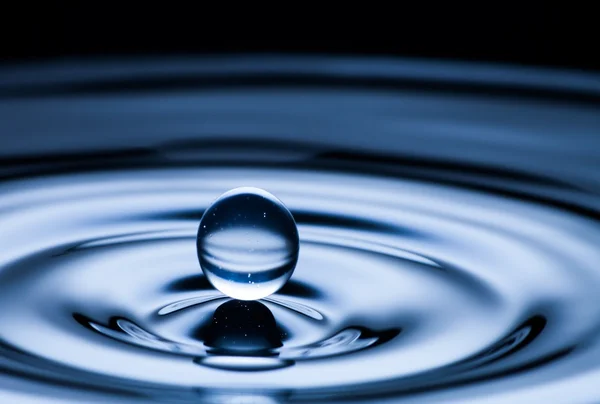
<point x="228" y="249"/>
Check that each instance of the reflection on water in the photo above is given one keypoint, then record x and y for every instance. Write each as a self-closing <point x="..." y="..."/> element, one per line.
<point x="244" y="328"/>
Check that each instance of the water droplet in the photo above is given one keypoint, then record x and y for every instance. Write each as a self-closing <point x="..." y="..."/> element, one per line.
<point x="230" y="251"/>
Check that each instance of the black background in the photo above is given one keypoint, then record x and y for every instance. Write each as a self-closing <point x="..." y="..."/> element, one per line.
<point x="535" y="34"/>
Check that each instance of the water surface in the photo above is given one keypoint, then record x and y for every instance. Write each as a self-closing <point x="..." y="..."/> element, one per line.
<point x="447" y="216"/>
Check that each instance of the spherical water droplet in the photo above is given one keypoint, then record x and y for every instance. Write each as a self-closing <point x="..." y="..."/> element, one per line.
<point x="262" y="243"/>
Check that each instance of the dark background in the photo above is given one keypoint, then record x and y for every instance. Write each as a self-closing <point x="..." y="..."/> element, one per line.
<point x="535" y="34"/>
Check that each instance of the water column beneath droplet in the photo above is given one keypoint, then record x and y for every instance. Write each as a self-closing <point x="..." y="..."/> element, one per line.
<point x="247" y="243"/>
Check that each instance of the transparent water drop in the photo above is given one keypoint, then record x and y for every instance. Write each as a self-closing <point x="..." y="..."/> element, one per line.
<point x="248" y="243"/>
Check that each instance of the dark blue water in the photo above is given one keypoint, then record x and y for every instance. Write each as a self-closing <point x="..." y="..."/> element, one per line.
<point x="447" y="217"/>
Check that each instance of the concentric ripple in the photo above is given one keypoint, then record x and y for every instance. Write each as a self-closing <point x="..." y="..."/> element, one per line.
<point x="401" y="285"/>
<point x="449" y="243"/>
